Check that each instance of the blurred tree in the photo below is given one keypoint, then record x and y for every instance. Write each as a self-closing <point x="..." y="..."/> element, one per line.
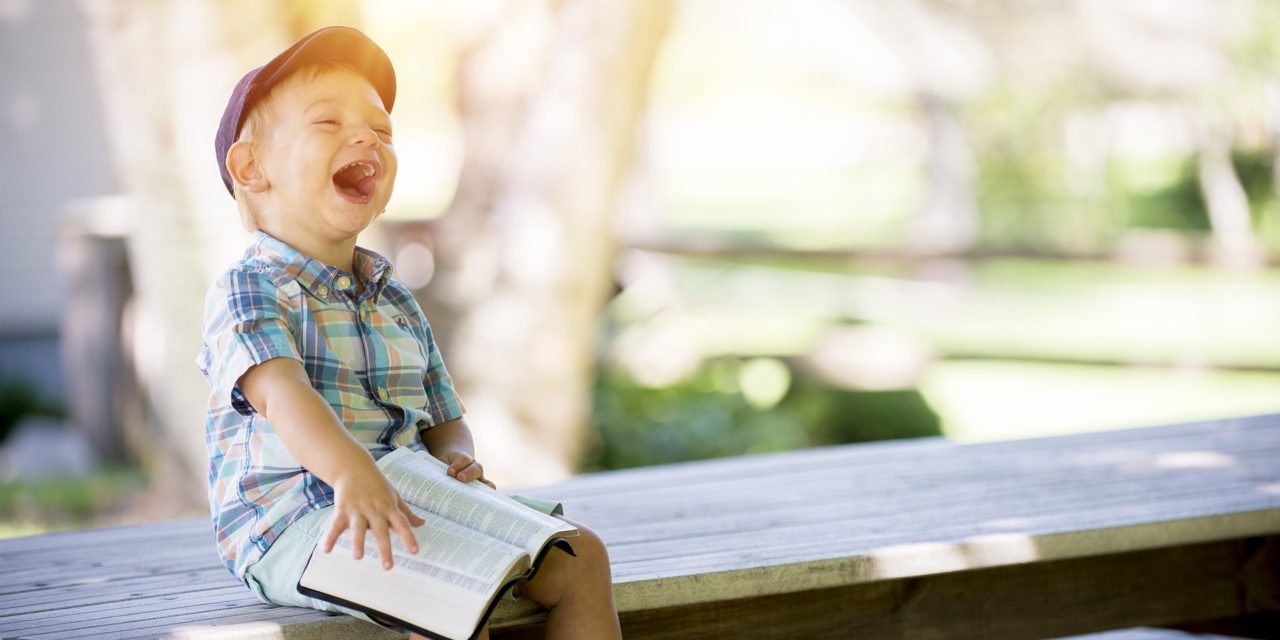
<point x="550" y="97"/>
<point x="165" y="69"/>
<point x="1227" y="203"/>
<point x="1065" y="108"/>
<point x="947" y="63"/>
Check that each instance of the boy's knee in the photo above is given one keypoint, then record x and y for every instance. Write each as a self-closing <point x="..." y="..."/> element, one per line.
<point x="587" y="571"/>
<point x="590" y="549"/>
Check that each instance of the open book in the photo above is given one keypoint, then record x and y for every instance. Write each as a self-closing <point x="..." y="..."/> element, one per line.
<point x="476" y="543"/>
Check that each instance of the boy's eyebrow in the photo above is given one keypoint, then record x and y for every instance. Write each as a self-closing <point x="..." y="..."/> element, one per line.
<point x="320" y="102"/>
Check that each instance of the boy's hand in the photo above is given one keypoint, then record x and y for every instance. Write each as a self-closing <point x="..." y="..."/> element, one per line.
<point x="364" y="500"/>
<point x="464" y="467"/>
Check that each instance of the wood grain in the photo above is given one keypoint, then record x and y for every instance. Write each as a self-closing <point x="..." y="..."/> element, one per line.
<point x="847" y="538"/>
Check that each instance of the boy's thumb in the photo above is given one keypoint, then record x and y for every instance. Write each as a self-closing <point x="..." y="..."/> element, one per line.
<point x="459" y="461"/>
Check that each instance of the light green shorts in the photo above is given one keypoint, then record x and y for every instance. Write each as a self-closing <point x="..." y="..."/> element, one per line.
<point x="274" y="578"/>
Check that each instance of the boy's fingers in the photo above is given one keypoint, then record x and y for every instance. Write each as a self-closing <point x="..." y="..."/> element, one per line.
<point x="401" y="526"/>
<point x="382" y="539"/>
<point x="459" y="461"/>
<point x="357" y="537"/>
<point x="336" y="527"/>
<point x="414" y="519"/>
<point x="470" y="472"/>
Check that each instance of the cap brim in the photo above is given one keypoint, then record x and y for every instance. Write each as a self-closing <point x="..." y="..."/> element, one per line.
<point x="332" y="44"/>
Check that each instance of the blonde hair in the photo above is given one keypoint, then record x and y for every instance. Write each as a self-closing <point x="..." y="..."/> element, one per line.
<point x="261" y="118"/>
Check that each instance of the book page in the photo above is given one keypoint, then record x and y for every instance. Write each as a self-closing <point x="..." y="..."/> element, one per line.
<point x="446" y="586"/>
<point x="447" y="552"/>
<point x="424" y="481"/>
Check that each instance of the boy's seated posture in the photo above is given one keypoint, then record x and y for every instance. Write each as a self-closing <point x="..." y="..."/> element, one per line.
<point x="318" y="360"/>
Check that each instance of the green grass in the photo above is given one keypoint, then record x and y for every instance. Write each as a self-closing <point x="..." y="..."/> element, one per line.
<point x="34" y="506"/>
<point x="20" y="529"/>
<point x="1002" y="400"/>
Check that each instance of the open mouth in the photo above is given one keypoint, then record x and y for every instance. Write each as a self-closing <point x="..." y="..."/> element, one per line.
<point x="356" y="181"/>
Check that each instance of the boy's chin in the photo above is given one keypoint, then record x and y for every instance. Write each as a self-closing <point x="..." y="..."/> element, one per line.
<point x="354" y="216"/>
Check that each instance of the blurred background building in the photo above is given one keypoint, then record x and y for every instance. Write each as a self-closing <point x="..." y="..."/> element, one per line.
<point x="648" y="231"/>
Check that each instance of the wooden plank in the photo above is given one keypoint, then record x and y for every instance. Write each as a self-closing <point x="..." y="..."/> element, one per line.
<point x="1252" y="460"/>
<point x="651" y="521"/>
<point x="855" y="526"/>
<point x="281" y="617"/>
<point x="972" y="503"/>
<point x="694" y="492"/>
<point x="848" y="532"/>
<point x="630" y="599"/>
<point x="904" y="515"/>
<point x="69" y="626"/>
<point x="93" y="550"/>
<point x="154" y="532"/>
<point x="335" y="628"/>
<point x="1151" y="587"/>
<point x="212" y="577"/>
<point x="132" y="610"/>
<point x="143" y="567"/>
<point x="1252" y="483"/>
<point x="758" y="527"/>
<point x="621" y="551"/>
<point x="831" y="536"/>
<point x="107" y="562"/>
<point x="663" y="587"/>
<point x="94" y="545"/>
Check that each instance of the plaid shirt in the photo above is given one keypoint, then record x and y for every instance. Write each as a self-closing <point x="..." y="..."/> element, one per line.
<point x="370" y="355"/>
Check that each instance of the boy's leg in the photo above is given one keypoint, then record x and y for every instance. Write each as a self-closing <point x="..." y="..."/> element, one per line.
<point x="578" y="590"/>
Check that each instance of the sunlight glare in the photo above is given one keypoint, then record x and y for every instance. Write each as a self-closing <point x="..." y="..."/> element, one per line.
<point x="254" y="630"/>
<point x="1193" y="460"/>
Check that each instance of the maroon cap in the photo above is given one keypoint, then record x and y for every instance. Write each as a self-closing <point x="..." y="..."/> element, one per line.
<point x="330" y="44"/>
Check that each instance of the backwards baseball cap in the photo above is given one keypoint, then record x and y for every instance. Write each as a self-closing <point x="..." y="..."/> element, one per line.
<point x="330" y="44"/>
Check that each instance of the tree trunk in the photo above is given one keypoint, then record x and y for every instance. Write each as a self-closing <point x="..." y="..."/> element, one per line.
<point x="165" y="70"/>
<point x="948" y="220"/>
<point x="524" y="256"/>
<point x="1234" y="241"/>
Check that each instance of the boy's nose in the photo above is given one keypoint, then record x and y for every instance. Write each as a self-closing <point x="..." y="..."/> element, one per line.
<point x="366" y="136"/>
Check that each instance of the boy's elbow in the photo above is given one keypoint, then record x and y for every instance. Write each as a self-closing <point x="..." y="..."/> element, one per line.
<point x="270" y="379"/>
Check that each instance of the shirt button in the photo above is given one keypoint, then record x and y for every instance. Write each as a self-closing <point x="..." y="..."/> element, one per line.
<point x="342" y="282"/>
<point x="382" y="393"/>
<point x="322" y="291"/>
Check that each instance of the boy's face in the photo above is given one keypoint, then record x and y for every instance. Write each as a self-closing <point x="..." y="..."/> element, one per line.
<point x="327" y="156"/>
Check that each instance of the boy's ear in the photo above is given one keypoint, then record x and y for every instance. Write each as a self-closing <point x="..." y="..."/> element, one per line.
<point x="242" y="164"/>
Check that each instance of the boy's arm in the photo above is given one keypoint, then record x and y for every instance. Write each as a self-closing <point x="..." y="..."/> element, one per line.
<point x="451" y="442"/>
<point x="363" y="498"/>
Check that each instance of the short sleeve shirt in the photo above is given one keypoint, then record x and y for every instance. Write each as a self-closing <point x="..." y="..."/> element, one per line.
<point x="369" y="354"/>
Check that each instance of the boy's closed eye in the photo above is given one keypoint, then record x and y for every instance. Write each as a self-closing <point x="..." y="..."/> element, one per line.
<point x="382" y="130"/>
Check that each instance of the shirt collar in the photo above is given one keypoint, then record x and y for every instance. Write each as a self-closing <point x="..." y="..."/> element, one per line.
<point x="318" y="278"/>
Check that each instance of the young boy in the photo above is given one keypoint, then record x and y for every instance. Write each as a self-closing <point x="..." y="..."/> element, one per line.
<point x="319" y="362"/>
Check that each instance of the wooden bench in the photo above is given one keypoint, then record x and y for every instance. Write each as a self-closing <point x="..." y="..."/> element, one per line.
<point x="904" y="539"/>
